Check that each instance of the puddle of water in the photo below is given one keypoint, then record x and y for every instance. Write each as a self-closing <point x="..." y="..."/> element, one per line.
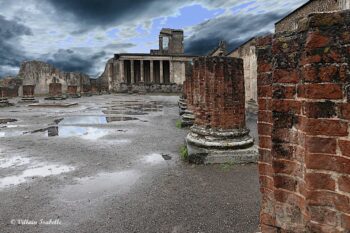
<point x="14" y="161"/>
<point x="153" y="158"/>
<point x="156" y="158"/>
<point x="39" y="171"/>
<point x="6" y="134"/>
<point x="101" y="185"/>
<point x="84" y="120"/>
<point x="93" y="120"/>
<point x="131" y="113"/>
<point x="90" y="133"/>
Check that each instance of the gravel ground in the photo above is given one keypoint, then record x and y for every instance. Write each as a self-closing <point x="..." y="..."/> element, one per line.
<point x="121" y="172"/>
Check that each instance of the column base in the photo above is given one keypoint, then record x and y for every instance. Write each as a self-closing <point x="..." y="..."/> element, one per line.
<point x="187" y="119"/>
<point x="30" y="100"/>
<point x="5" y="103"/>
<point x="55" y="98"/>
<point x="208" y="146"/>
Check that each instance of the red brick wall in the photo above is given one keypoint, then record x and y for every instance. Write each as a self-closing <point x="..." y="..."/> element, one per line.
<point x="303" y="126"/>
<point x="218" y="92"/>
<point x="9" y="91"/>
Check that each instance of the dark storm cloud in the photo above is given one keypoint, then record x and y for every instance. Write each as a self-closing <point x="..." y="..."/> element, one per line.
<point x="97" y="12"/>
<point x="72" y="61"/>
<point x="10" y="53"/>
<point x="234" y="29"/>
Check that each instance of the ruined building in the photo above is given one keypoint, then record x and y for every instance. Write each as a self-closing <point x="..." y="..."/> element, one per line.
<point x="247" y="51"/>
<point x="48" y="80"/>
<point x="161" y="70"/>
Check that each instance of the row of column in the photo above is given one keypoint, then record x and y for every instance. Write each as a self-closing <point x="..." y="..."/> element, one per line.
<point x="152" y="77"/>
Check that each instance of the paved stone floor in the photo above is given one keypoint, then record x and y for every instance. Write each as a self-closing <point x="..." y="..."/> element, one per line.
<point x="112" y="164"/>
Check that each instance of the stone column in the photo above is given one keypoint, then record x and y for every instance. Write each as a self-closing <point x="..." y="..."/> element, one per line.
<point x="171" y="72"/>
<point x="132" y="71"/>
<point x="219" y="134"/>
<point x="161" y="79"/>
<point x="151" y="71"/>
<point x="142" y="72"/>
<point x="122" y="75"/>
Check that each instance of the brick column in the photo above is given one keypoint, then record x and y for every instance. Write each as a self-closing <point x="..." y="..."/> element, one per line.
<point x="304" y="127"/>
<point x="187" y="117"/>
<point x="219" y="134"/>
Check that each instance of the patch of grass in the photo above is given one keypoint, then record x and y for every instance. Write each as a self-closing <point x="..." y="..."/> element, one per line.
<point x="178" y="124"/>
<point x="184" y="153"/>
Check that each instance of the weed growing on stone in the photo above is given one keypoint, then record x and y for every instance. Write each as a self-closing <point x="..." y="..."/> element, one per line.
<point x="178" y="124"/>
<point x="184" y="153"/>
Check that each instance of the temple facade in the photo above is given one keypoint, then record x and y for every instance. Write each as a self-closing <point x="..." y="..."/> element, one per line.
<point x="161" y="70"/>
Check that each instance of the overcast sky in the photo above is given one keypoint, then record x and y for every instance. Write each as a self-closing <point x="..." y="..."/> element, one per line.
<point x="81" y="35"/>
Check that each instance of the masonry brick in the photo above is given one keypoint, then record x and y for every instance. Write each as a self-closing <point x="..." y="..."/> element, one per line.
<point x="344" y="183"/>
<point x="306" y="115"/>
<point x="320" y="91"/>
<point x="315" y="181"/>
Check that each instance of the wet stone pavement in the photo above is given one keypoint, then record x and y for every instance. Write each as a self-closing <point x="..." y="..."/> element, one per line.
<point x="112" y="164"/>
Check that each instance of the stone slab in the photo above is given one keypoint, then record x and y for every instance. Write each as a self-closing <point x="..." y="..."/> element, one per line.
<point x="53" y="105"/>
<point x="215" y="156"/>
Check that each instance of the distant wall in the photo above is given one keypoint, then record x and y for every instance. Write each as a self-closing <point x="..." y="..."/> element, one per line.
<point x="248" y="53"/>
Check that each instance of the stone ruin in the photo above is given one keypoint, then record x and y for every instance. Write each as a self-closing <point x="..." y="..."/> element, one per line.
<point x="219" y="133"/>
<point x="303" y="124"/>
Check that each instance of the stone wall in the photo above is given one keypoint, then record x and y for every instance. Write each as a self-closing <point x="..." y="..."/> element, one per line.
<point x="42" y="75"/>
<point x="289" y="23"/>
<point x="303" y="124"/>
<point x="248" y="54"/>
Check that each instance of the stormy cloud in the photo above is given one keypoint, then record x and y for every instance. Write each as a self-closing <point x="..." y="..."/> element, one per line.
<point x="10" y="52"/>
<point x="234" y="29"/>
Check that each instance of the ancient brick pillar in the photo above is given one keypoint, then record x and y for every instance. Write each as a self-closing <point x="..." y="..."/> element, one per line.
<point x="28" y="90"/>
<point x="219" y="134"/>
<point x="187" y="118"/>
<point x="72" y="91"/>
<point x="28" y="94"/>
<point x="303" y="124"/>
<point x="55" y="89"/>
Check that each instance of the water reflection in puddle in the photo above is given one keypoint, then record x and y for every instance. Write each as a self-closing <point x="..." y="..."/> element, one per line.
<point x="156" y="158"/>
<point x="101" y="185"/>
<point x="37" y="171"/>
<point x="14" y="161"/>
<point x="6" y="134"/>
<point x="93" y="120"/>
